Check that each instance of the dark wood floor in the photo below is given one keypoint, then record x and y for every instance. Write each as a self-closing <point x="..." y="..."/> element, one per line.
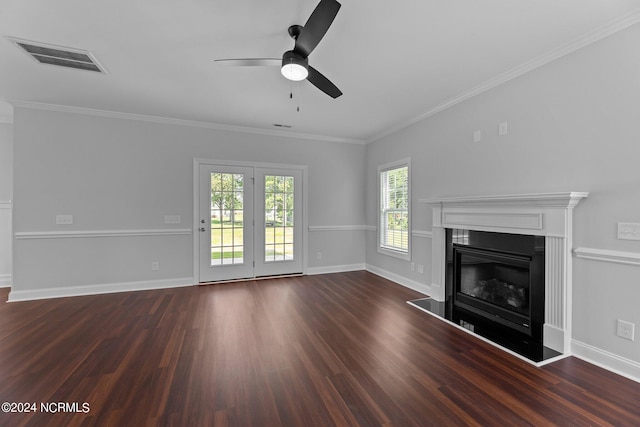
<point x="332" y="350"/>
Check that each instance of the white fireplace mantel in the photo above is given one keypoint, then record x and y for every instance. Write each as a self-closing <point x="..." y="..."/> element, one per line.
<point x="544" y="214"/>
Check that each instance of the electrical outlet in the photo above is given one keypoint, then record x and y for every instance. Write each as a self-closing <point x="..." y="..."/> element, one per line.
<point x="503" y="128"/>
<point x="626" y="330"/>
<point x="628" y="231"/>
<point x="477" y="136"/>
<point x="155" y="266"/>
<point x="319" y="255"/>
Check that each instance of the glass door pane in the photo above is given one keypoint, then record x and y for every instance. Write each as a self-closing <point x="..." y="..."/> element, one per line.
<point x="279" y="214"/>
<point x="227" y="218"/>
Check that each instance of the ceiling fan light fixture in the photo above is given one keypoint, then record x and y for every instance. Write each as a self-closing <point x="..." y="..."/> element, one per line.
<point x="294" y="66"/>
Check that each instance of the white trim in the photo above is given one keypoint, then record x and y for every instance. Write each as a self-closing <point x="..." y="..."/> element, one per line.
<point x="371" y="228"/>
<point x="337" y="227"/>
<point x="5" y="280"/>
<point x="199" y="161"/>
<point x="560" y="199"/>
<point x="550" y="56"/>
<point x="6" y="119"/>
<point x="312" y="271"/>
<point x="619" y="365"/>
<point x="617" y="257"/>
<point x="108" y="288"/>
<point x="180" y="122"/>
<point x="24" y="235"/>
<point x="422" y="233"/>
<point x="407" y="283"/>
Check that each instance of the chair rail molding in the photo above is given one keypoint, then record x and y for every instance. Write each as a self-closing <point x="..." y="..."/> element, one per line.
<point x="75" y="234"/>
<point x="605" y="255"/>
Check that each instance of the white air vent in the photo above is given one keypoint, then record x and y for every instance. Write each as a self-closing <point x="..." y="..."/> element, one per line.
<point x="59" y="55"/>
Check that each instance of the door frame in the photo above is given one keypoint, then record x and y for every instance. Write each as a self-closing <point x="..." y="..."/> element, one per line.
<point x="197" y="162"/>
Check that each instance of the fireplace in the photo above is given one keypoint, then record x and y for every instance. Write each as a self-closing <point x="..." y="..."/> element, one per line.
<point x="547" y="218"/>
<point x="499" y="277"/>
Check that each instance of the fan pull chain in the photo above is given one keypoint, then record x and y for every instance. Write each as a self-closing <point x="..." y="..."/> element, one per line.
<point x="297" y="88"/>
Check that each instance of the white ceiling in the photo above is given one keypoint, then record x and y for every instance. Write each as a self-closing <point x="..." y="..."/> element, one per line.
<point x="395" y="61"/>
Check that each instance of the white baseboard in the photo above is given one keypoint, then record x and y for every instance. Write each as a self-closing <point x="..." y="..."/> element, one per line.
<point x="5" y="280"/>
<point x="554" y="338"/>
<point x="609" y="361"/>
<point x="408" y="283"/>
<point x="334" y="269"/>
<point x="72" y="291"/>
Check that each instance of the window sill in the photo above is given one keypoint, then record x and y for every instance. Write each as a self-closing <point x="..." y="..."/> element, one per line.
<point x="395" y="254"/>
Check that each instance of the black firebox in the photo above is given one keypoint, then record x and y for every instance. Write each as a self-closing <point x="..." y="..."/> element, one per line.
<point x="499" y="277"/>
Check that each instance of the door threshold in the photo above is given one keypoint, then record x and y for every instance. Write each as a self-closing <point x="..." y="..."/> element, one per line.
<point x="251" y="279"/>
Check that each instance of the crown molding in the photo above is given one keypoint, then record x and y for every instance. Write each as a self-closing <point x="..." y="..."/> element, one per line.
<point x="179" y="122"/>
<point x="550" y="56"/>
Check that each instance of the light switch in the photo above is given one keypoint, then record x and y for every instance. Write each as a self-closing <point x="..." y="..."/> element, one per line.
<point x="477" y="136"/>
<point x="503" y="128"/>
<point x="172" y="219"/>
<point x="64" y="219"/>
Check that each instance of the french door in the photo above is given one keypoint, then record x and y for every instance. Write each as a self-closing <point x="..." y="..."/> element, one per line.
<point x="250" y="222"/>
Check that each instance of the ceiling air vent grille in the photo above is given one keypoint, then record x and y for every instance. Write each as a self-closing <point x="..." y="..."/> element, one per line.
<point x="61" y="56"/>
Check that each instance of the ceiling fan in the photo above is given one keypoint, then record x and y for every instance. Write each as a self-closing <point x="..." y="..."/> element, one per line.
<point x="295" y="63"/>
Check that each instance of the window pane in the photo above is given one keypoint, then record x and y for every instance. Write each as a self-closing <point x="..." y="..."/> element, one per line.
<point x="394" y="209"/>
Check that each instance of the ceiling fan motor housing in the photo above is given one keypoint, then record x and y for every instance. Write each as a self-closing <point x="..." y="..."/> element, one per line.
<point x="294" y="66"/>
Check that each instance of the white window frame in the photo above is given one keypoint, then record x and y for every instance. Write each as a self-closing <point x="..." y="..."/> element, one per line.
<point x="397" y="253"/>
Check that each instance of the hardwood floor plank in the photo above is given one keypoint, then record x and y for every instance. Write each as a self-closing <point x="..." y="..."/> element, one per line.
<point x="339" y="349"/>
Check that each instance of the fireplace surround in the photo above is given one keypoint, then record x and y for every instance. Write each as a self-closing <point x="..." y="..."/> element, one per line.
<point x="547" y="215"/>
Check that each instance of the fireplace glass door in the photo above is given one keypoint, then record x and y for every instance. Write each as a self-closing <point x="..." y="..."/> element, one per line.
<point x="494" y="284"/>
<point x="498" y="279"/>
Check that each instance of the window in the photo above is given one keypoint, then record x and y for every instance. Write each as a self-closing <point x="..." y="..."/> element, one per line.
<point x="394" y="214"/>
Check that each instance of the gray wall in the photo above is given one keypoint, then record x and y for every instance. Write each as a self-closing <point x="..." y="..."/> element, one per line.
<point x="574" y="125"/>
<point x="117" y="174"/>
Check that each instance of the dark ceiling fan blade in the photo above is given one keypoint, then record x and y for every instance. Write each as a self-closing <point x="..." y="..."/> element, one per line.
<point x="324" y="84"/>
<point x="249" y="62"/>
<point x="316" y="26"/>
